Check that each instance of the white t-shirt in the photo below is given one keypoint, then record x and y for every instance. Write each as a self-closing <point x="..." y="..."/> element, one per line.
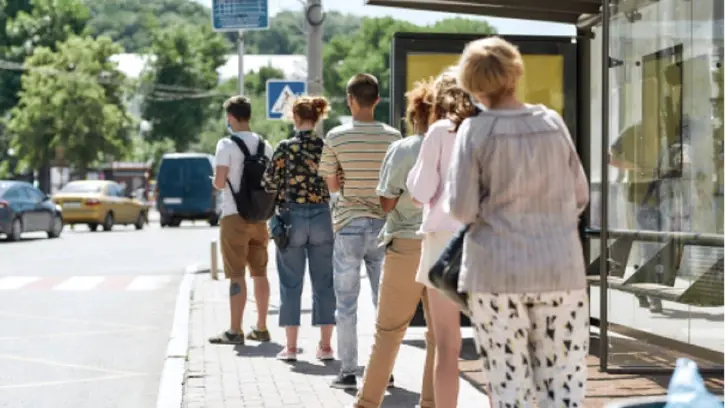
<point x="228" y="154"/>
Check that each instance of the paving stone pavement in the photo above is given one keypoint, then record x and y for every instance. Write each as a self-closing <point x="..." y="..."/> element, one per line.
<point x="220" y="376"/>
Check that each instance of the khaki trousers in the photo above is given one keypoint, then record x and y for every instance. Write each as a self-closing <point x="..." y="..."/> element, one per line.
<point x="397" y="302"/>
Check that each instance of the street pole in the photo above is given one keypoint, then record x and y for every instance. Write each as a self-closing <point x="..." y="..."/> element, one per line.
<point x="240" y="50"/>
<point x="315" y="18"/>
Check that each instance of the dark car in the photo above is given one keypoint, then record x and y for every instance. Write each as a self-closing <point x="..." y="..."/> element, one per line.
<point x="184" y="189"/>
<point x="24" y="208"/>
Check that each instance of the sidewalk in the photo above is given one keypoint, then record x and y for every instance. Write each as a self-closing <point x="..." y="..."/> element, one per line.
<point x="250" y="377"/>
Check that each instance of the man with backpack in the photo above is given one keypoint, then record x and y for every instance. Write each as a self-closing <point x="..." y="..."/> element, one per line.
<point x="241" y="160"/>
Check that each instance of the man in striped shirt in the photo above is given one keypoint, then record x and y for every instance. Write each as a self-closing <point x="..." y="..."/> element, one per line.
<point x="351" y="161"/>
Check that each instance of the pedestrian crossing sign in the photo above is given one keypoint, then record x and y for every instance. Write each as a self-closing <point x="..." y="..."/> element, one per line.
<point x="281" y="94"/>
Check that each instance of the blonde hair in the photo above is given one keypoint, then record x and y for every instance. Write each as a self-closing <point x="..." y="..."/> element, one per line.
<point x="450" y="101"/>
<point x="420" y="106"/>
<point x="311" y="108"/>
<point x="490" y="67"/>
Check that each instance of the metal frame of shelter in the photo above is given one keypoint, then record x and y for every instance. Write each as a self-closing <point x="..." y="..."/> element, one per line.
<point x="584" y="14"/>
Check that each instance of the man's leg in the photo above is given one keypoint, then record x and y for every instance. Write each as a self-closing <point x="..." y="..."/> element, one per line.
<point x="257" y="260"/>
<point x="399" y="298"/>
<point x="374" y="255"/>
<point x="347" y="258"/>
<point x="234" y="245"/>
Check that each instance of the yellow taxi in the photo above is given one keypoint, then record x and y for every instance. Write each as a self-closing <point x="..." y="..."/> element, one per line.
<point x="99" y="203"/>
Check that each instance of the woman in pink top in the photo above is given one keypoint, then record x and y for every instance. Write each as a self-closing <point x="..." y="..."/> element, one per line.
<point x="426" y="185"/>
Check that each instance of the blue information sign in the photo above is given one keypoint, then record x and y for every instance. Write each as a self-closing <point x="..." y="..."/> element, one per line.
<point x="280" y="94"/>
<point x="235" y="15"/>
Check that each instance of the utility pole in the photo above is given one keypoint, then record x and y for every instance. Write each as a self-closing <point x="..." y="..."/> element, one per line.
<point x="315" y="18"/>
<point x="240" y="50"/>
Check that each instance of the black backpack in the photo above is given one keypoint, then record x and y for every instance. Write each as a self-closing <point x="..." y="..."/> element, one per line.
<point x="254" y="204"/>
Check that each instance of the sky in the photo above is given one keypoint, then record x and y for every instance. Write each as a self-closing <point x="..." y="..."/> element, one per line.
<point x="358" y="7"/>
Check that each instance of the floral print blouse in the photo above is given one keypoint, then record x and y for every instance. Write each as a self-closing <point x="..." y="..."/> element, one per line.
<point x="296" y="160"/>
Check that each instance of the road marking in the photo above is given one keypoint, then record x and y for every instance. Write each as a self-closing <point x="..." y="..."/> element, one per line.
<point x="16" y="282"/>
<point x="148" y="282"/>
<point x="66" y="382"/>
<point x="79" y="333"/>
<point x="80" y="283"/>
<point x="133" y="283"/>
<point x="66" y="365"/>
<point x="73" y="320"/>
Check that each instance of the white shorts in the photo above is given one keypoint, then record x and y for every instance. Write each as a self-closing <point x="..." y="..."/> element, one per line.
<point x="433" y="245"/>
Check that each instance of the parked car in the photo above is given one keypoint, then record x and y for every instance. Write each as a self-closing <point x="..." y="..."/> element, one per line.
<point x="100" y="203"/>
<point x="24" y="208"/>
<point x="184" y="190"/>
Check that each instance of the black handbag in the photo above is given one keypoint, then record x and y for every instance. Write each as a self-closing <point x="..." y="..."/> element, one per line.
<point x="443" y="275"/>
<point x="281" y="222"/>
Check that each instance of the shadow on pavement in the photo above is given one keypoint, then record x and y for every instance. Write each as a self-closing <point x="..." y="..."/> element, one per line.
<point x="258" y="350"/>
<point x="468" y="354"/>
<point x="328" y="368"/>
<point x="400" y="397"/>
<point x="4" y="241"/>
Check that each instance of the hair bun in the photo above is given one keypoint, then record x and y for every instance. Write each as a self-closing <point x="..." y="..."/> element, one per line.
<point x="319" y="103"/>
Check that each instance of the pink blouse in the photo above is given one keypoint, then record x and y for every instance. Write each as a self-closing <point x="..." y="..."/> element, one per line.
<point x="426" y="181"/>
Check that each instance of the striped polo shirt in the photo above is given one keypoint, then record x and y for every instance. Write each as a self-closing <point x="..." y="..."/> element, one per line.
<point x="357" y="151"/>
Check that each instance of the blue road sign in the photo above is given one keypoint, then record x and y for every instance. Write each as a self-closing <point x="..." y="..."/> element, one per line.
<point x="235" y="15"/>
<point x="280" y="93"/>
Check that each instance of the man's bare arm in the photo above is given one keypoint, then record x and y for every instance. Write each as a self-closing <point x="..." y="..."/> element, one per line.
<point x="220" y="177"/>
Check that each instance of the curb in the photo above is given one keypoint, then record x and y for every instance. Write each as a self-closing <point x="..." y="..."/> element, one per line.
<point x="171" y="387"/>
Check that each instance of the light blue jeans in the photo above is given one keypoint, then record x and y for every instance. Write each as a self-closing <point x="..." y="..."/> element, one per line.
<point x="354" y="243"/>
<point x="310" y="244"/>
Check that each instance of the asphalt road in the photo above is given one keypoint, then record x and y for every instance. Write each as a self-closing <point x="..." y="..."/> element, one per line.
<point x="85" y="319"/>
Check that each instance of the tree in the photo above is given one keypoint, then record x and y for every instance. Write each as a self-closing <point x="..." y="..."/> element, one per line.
<point x="368" y="50"/>
<point x="71" y="101"/>
<point x="215" y="128"/>
<point x="24" y="26"/>
<point x="133" y="22"/>
<point x="185" y="65"/>
<point x="28" y="25"/>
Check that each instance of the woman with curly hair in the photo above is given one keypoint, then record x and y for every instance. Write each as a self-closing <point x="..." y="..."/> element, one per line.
<point x="305" y="200"/>
<point x="426" y="183"/>
<point x="399" y="293"/>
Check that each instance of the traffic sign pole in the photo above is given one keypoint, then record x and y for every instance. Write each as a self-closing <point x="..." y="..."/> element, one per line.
<point x="315" y="18"/>
<point x="240" y="50"/>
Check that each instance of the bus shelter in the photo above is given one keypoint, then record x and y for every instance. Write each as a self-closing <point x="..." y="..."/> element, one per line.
<point x="640" y="87"/>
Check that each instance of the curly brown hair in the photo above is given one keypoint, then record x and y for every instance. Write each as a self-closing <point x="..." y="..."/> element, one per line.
<point x="311" y="108"/>
<point x="420" y="106"/>
<point x="450" y="100"/>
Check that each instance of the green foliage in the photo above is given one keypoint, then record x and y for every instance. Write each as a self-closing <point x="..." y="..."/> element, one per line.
<point x="256" y="83"/>
<point x="368" y="50"/>
<point x="215" y="128"/>
<point x="186" y="60"/>
<point x="71" y="99"/>
<point x="26" y="26"/>
<point x="132" y="23"/>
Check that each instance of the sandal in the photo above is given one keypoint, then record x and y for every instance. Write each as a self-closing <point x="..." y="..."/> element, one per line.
<point x="259" y="335"/>
<point x="227" y="337"/>
<point x="288" y="355"/>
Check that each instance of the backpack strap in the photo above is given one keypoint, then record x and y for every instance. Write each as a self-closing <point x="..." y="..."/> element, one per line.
<point x="261" y="147"/>
<point x="242" y="146"/>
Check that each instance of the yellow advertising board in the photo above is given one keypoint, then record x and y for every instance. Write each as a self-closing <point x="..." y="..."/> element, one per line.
<point x="542" y="83"/>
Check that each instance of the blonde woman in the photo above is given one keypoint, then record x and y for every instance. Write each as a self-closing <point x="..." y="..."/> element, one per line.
<point x="516" y="178"/>
<point x="399" y="292"/>
<point x="425" y="182"/>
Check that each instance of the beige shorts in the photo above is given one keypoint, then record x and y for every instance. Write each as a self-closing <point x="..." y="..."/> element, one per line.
<point x="433" y="245"/>
<point x="243" y="245"/>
